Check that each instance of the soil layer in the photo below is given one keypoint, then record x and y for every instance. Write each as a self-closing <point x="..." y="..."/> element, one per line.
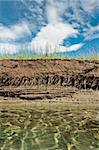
<point x="53" y="80"/>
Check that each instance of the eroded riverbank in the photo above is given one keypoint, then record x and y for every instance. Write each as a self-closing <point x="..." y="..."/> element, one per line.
<point x="73" y="81"/>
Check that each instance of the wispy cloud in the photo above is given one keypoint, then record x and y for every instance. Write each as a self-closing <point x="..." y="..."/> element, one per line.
<point x="7" y="48"/>
<point x="14" y="32"/>
<point x="89" y="5"/>
<point x="75" y="47"/>
<point x="9" y="35"/>
<point x="92" y="33"/>
<point x="54" y="11"/>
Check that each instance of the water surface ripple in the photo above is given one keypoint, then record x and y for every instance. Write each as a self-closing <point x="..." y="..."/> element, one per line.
<point x="49" y="129"/>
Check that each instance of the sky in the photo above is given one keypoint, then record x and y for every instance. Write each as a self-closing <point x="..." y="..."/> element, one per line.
<point x="40" y="26"/>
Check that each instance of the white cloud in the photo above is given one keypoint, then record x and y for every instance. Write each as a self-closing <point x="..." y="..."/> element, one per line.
<point x="14" y="32"/>
<point x="6" y="48"/>
<point x="8" y="34"/>
<point x="54" y="10"/>
<point x="92" y="33"/>
<point x="52" y="15"/>
<point x="34" y="13"/>
<point x="75" y="47"/>
<point x="52" y="36"/>
<point x="39" y="1"/>
<point x="88" y="5"/>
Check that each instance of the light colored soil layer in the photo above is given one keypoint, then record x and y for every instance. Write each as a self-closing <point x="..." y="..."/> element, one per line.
<point x="51" y="94"/>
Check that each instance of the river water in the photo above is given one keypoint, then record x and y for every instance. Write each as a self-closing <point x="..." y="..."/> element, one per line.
<point x="39" y="129"/>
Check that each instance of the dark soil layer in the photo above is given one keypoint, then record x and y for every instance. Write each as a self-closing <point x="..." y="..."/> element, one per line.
<point x="80" y="74"/>
<point x="31" y="74"/>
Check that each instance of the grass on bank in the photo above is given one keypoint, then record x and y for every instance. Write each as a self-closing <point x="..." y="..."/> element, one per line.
<point x="92" y="57"/>
<point x="33" y="56"/>
<point x="48" y="56"/>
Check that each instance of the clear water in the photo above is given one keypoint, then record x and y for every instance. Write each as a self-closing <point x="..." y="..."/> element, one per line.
<point x="25" y="129"/>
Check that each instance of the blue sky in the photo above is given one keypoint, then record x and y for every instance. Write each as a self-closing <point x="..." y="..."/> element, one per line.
<point x="54" y="25"/>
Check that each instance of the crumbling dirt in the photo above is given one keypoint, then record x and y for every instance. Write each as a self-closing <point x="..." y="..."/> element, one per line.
<point x="48" y="79"/>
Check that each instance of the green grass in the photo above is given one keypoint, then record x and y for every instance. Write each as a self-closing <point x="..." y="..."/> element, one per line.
<point x="92" y="57"/>
<point x="34" y="56"/>
<point x="48" y="56"/>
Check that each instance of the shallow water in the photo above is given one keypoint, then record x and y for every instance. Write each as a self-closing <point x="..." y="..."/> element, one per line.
<point x="30" y="129"/>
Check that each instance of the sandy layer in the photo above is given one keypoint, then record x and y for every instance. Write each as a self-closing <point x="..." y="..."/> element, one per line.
<point x="51" y="94"/>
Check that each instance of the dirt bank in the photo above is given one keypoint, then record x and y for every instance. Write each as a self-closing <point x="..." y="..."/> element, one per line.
<point x="49" y="79"/>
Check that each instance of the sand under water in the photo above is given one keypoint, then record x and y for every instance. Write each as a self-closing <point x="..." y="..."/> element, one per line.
<point x="27" y="126"/>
